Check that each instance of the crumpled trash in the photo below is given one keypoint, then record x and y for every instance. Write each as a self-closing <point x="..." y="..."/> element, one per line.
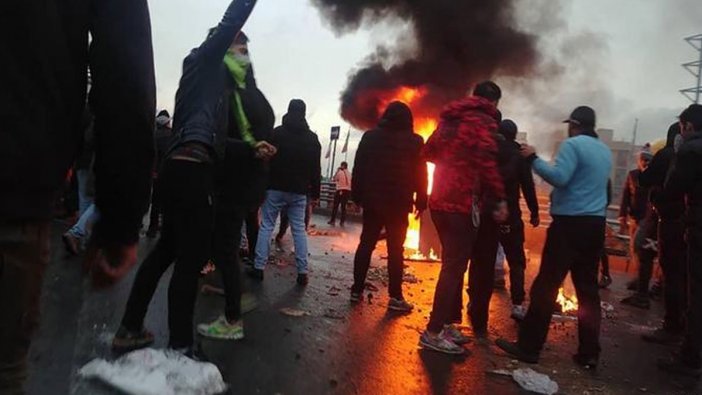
<point x="156" y="372"/>
<point x="606" y="307"/>
<point x="530" y="380"/>
<point x="534" y="381"/>
<point x="289" y="311"/>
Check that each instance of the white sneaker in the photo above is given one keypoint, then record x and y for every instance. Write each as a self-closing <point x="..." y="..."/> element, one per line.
<point x="518" y="312"/>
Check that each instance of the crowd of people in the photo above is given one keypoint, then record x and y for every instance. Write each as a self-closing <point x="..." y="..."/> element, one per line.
<point x="222" y="163"/>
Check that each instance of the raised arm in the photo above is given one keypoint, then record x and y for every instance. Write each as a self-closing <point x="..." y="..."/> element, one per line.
<point x="215" y="46"/>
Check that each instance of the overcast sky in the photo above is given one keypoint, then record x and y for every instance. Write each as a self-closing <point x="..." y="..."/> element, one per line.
<point x="631" y="68"/>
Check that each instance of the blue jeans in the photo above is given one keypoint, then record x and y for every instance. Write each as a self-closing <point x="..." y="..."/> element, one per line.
<point x="82" y="228"/>
<point x="84" y="198"/>
<point x="296" y="206"/>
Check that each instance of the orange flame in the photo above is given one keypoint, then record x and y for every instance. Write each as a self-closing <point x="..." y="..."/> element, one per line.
<point x="568" y="303"/>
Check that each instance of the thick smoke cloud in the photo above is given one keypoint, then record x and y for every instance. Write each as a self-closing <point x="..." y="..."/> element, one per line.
<point x="455" y="44"/>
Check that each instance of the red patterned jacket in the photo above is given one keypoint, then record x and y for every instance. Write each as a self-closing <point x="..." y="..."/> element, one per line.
<point x="464" y="150"/>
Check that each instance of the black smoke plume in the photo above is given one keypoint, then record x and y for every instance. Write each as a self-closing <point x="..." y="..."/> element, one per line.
<point x="457" y="43"/>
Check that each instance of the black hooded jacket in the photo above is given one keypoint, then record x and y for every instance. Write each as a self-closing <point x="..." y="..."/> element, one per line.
<point x="667" y="207"/>
<point x="388" y="170"/>
<point x="296" y="168"/>
<point x="684" y="182"/>
<point x="516" y="172"/>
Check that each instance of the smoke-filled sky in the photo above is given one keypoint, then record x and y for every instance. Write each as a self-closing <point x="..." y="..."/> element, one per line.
<point x="622" y="57"/>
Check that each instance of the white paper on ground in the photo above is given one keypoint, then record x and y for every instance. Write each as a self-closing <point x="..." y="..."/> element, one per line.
<point x="156" y="372"/>
<point x="535" y="382"/>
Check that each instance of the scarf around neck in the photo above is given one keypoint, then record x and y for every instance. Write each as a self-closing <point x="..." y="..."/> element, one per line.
<point x="238" y="73"/>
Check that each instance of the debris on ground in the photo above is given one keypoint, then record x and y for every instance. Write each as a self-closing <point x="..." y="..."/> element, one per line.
<point x="156" y="372"/>
<point x="371" y="287"/>
<point x="530" y="380"/>
<point x="208" y="268"/>
<point x="380" y="274"/>
<point x="333" y="314"/>
<point x="291" y="312"/>
<point x="334" y="291"/>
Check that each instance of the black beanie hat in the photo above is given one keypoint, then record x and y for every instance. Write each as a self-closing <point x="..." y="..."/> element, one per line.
<point x="508" y="129"/>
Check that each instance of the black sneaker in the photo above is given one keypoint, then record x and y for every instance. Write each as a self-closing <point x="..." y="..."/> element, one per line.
<point x="605" y="282"/>
<point x="638" y="301"/>
<point x="662" y="336"/>
<point x="302" y="280"/>
<point x="587" y="362"/>
<point x="677" y="367"/>
<point x="513" y="349"/>
<point x="126" y="340"/>
<point x="256" y="274"/>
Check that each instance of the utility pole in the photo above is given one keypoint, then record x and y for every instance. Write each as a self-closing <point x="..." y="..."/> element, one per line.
<point x="695" y="68"/>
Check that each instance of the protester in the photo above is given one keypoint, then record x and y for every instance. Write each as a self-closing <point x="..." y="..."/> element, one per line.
<point x="464" y="150"/>
<point x="671" y="241"/>
<point x="635" y="204"/>
<point x="240" y="185"/>
<point x="517" y="177"/>
<point x="295" y="172"/>
<point x="43" y="98"/>
<point x="574" y="241"/>
<point x="390" y="181"/>
<point x="343" y="182"/>
<point x="187" y="186"/>
<point x="685" y="181"/>
<point x="163" y="137"/>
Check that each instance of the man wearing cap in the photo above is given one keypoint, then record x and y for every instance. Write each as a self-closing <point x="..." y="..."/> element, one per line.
<point x="162" y="141"/>
<point x="685" y="181"/>
<point x="574" y="241"/>
<point x="203" y="145"/>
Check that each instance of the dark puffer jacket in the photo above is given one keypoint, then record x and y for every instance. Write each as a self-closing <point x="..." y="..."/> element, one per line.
<point x="389" y="170"/>
<point x="685" y="180"/>
<point x="296" y="168"/>
<point x="667" y="207"/>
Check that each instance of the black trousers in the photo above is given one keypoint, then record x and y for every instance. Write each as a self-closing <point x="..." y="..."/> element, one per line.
<point x="395" y="223"/>
<point x="573" y="244"/>
<point x="253" y="224"/>
<point x="604" y="263"/>
<point x="226" y="243"/>
<point x="457" y="234"/>
<point x="341" y="198"/>
<point x="692" y="345"/>
<point x="672" y="256"/>
<point x="481" y="275"/>
<point x="155" y="214"/>
<point x="185" y="242"/>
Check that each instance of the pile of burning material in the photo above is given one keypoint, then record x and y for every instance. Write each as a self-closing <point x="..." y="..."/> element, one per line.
<point x="566" y="307"/>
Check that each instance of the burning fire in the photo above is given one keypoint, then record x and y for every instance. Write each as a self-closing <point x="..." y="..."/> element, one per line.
<point x="568" y="303"/>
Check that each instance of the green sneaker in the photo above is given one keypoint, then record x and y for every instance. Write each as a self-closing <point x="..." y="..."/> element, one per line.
<point x="221" y="329"/>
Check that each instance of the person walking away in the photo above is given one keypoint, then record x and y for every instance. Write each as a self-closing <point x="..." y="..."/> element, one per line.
<point x="240" y="184"/>
<point x="574" y="241"/>
<point x="464" y="150"/>
<point x="43" y="98"/>
<point x="163" y="137"/>
<point x="390" y="181"/>
<point x="187" y="186"/>
<point x="343" y="182"/>
<point x="295" y="171"/>
<point x="685" y="181"/>
<point x="672" y="246"/>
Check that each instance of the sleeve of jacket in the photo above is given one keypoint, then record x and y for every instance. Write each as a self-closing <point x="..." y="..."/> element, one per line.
<point x="360" y="168"/>
<point x="680" y="179"/>
<point x="420" y="202"/>
<point x="123" y="100"/>
<point x="316" y="184"/>
<point x="215" y="47"/>
<point x="625" y="205"/>
<point x="528" y="188"/>
<point x="560" y="173"/>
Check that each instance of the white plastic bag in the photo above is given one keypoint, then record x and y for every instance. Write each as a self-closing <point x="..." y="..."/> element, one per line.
<point x="156" y="372"/>
<point x="534" y="381"/>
